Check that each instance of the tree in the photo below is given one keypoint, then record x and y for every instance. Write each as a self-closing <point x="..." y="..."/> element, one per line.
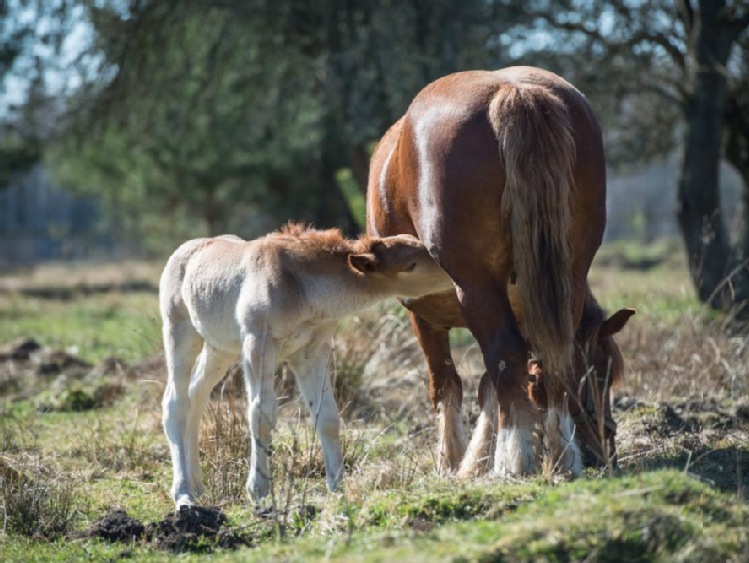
<point x="263" y="103"/>
<point x="29" y="30"/>
<point x="658" y="57"/>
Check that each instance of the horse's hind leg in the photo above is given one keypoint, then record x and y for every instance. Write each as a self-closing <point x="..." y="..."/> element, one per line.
<point x="445" y="392"/>
<point x="181" y="345"/>
<point x="487" y="312"/>
<point x="209" y="370"/>
<point x="561" y="450"/>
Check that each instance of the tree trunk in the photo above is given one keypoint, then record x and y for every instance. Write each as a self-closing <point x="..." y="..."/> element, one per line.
<point x="737" y="153"/>
<point x="699" y="211"/>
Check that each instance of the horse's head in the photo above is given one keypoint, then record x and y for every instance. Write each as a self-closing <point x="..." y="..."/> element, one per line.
<point x="599" y="364"/>
<point x="400" y="264"/>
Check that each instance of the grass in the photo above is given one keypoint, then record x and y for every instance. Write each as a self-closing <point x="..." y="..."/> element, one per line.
<point x="92" y="327"/>
<point x="680" y="492"/>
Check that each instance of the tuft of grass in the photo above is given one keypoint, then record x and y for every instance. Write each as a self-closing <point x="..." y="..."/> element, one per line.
<point x="37" y="502"/>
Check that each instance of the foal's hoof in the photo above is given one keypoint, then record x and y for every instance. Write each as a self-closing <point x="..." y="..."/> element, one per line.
<point x="183" y="501"/>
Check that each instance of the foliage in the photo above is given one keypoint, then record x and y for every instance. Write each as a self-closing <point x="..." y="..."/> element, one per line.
<point x="667" y="74"/>
<point x="32" y="33"/>
<point x="225" y="111"/>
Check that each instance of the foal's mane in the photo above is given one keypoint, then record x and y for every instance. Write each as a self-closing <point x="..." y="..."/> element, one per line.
<point x="316" y="240"/>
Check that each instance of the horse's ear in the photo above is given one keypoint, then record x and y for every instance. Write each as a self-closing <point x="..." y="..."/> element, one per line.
<point x="615" y="323"/>
<point x="364" y="263"/>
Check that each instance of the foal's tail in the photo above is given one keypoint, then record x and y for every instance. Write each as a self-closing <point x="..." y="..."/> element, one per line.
<point x="538" y="153"/>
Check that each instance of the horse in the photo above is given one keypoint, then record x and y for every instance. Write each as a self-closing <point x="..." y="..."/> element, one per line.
<point x="271" y="300"/>
<point x="502" y="176"/>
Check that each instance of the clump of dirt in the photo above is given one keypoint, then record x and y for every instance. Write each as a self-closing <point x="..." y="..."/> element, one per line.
<point x="116" y="526"/>
<point x="194" y="528"/>
<point x="20" y="349"/>
<point x="191" y="529"/>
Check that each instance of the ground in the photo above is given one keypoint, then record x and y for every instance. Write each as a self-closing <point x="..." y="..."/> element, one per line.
<point x="85" y="468"/>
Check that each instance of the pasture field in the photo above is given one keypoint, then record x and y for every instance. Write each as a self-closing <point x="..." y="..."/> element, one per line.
<point x="85" y="469"/>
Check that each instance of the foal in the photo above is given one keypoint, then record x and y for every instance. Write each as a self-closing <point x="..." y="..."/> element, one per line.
<point x="272" y="300"/>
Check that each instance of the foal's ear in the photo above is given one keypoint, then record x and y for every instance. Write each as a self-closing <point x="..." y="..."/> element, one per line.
<point x="615" y="323"/>
<point x="364" y="263"/>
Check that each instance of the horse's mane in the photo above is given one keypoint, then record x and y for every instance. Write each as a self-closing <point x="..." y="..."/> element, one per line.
<point x="317" y="240"/>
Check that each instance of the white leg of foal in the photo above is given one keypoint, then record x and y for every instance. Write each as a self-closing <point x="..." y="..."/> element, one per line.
<point x="478" y="457"/>
<point x="259" y="367"/>
<point x="181" y="345"/>
<point x="316" y="389"/>
<point x="209" y="371"/>
<point x="561" y="450"/>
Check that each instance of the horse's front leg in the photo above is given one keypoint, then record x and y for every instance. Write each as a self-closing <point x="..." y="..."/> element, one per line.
<point x="311" y="369"/>
<point x="445" y="392"/>
<point x="260" y="360"/>
<point x="487" y="312"/>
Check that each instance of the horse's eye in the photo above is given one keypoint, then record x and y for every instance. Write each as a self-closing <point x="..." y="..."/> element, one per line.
<point x="411" y="267"/>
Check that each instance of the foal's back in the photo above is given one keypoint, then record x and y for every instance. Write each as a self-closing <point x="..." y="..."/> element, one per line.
<point x="203" y="282"/>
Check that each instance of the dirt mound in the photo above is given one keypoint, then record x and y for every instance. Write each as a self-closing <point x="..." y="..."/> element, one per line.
<point x="20" y="349"/>
<point x="116" y="526"/>
<point x="59" y="380"/>
<point x="191" y="529"/>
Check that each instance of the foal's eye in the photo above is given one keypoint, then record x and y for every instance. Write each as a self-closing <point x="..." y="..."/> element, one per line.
<point x="411" y="267"/>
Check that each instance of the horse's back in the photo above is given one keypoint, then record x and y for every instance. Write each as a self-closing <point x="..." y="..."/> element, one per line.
<point x="438" y="173"/>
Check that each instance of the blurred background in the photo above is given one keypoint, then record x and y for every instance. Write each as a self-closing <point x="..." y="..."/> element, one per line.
<point x="127" y="126"/>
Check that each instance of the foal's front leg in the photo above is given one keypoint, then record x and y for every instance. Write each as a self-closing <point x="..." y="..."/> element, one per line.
<point x="311" y="369"/>
<point x="259" y="360"/>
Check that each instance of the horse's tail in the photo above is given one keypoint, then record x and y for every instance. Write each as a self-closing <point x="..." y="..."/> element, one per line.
<point x="533" y="128"/>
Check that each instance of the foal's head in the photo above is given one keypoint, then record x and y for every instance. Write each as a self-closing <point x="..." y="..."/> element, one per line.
<point x="399" y="263"/>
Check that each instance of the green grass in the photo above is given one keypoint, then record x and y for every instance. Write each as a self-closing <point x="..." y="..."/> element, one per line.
<point x="125" y="325"/>
<point x="393" y="506"/>
<point x="657" y="516"/>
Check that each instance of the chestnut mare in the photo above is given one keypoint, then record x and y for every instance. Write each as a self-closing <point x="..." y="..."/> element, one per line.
<point x="502" y="176"/>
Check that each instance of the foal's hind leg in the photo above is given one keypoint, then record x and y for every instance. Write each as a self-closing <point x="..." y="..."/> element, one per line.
<point x="316" y="389"/>
<point x="445" y="392"/>
<point x="181" y="345"/>
<point x="209" y="370"/>
<point x="260" y="360"/>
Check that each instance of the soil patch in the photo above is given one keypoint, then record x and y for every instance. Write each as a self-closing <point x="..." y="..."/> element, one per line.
<point x="116" y="526"/>
<point x="191" y="529"/>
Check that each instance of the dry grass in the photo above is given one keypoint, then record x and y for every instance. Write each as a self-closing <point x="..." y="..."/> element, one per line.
<point x="683" y="403"/>
<point x="71" y="275"/>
